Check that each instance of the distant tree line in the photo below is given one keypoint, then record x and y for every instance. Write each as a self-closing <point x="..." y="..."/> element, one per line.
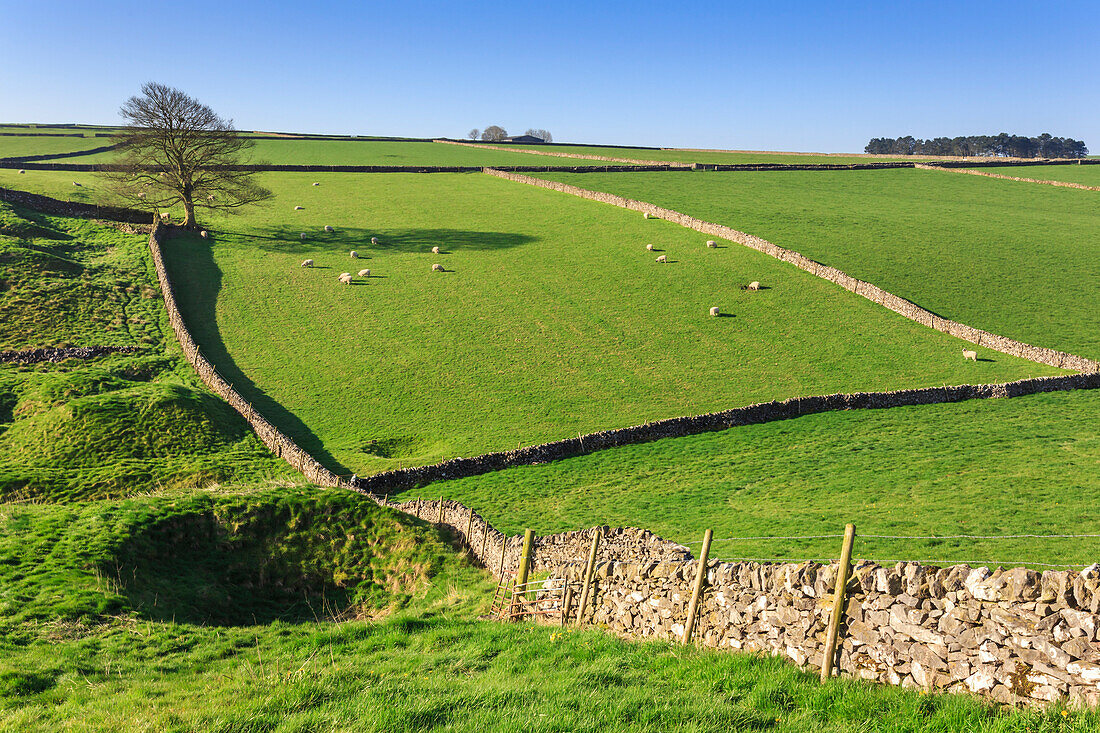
<point x="1003" y="145"/>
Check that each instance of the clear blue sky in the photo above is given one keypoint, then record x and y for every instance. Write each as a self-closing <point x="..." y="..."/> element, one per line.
<point x="822" y="76"/>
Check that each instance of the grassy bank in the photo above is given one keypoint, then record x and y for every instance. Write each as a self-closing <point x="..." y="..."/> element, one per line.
<point x="1020" y="261"/>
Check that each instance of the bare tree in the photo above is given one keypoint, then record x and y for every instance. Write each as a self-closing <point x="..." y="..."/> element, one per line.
<point x="543" y="135"/>
<point x="473" y="134"/>
<point x="176" y="150"/>
<point x="493" y="134"/>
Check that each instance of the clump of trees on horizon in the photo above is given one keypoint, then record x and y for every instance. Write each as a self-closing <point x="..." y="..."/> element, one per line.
<point x="1001" y="146"/>
<point x="496" y="133"/>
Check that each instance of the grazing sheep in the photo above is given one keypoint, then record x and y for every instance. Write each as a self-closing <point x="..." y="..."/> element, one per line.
<point x="645" y="215"/>
<point x="972" y="355"/>
<point x="299" y="208"/>
<point x="302" y="235"/>
<point x="354" y="254"/>
<point x="329" y="228"/>
<point x="345" y="277"/>
<point x="76" y="184"/>
<point x="437" y="268"/>
<point x="316" y="184"/>
<point x="754" y="285"/>
<point x="435" y="250"/>
<point x="374" y="240"/>
<point x="307" y="263"/>
<point x="204" y="234"/>
<point x="712" y="244"/>
<point x="714" y="311"/>
<point x="141" y="195"/>
<point x="662" y="258"/>
<point x="22" y="171"/>
<point x="364" y="273"/>
<point x="210" y="197"/>
<point x="649" y="248"/>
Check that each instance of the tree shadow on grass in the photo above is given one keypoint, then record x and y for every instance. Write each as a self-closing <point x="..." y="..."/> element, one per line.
<point x="197" y="282"/>
<point x="288" y="240"/>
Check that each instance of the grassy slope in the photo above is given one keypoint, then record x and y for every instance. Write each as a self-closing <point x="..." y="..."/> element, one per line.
<point x="903" y="471"/>
<point x="11" y="147"/>
<point x="552" y="320"/>
<point x="1021" y="261"/>
<point x="358" y="152"/>
<point x="142" y="615"/>
<point x="1088" y="175"/>
<point x="114" y="425"/>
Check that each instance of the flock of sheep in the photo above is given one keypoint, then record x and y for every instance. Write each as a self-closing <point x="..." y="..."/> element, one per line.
<point x="711" y="244"/>
<point x="346" y="277"/>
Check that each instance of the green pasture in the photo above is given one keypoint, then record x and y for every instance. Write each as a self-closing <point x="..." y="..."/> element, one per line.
<point x="316" y="610"/>
<point x="1088" y="175"/>
<point x="1018" y="260"/>
<point x="678" y="155"/>
<point x="377" y="152"/>
<point x="551" y="320"/>
<point x="12" y="147"/>
<point x="1026" y="465"/>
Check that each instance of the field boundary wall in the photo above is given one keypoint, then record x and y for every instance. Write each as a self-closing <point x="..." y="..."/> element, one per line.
<point x="875" y="294"/>
<point x="56" y="156"/>
<point x="1015" y="635"/>
<point x="482" y="146"/>
<point x="968" y="171"/>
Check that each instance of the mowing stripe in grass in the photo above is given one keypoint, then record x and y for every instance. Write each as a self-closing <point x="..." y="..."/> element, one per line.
<point x="875" y="294"/>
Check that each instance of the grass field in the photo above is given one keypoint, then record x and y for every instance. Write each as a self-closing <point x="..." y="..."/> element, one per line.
<point x="902" y="471"/>
<point x="552" y="320"/>
<point x="1088" y="175"/>
<point x="707" y="156"/>
<point x="1020" y="261"/>
<point x="376" y="152"/>
<point x="116" y="425"/>
<point x="12" y="147"/>
<point x="213" y="612"/>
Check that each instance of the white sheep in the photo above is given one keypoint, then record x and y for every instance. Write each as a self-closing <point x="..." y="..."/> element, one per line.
<point x="354" y="255"/>
<point x="22" y="171"/>
<point x="345" y="277"/>
<point x="714" y="311"/>
<point x="299" y="208"/>
<point x="435" y="250"/>
<point x="141" y="195"/>
<point x="645" y="214"/>
<point x="754" y="285"/>
<point x="302" y="235"/>
<point x="76" y="184"/>
<point x="437" y="268"/>
<point x="329" y="228"/>
<point x="712" y="244"/>
<point x="649" y="248"/>
<point x="374" y="240"/>
<point x="316" y="184"/>
<point x="972" y="355"/>
<point x="204" y="234"/>
<point x="364" y="273"/>
<point x="662" y="258"/>
<point x="307" y="263"/>
<point x="210" y="197"/>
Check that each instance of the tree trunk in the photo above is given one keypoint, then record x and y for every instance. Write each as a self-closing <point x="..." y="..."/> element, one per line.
<point x="189" y="211"/>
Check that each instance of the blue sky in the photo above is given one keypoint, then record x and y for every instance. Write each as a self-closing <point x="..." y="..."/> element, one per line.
<point x="762" y="75"/>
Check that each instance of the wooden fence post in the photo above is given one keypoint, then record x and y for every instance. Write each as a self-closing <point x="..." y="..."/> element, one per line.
<point x="524" y="568"/>
<point x="697" y="590"/>
<point x="838" y="603"/>
<point x="589" y="569"/>
<point x="440" y="510"/>
<point x="469" y="529"/>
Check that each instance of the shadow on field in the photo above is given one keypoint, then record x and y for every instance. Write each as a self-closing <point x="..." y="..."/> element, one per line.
<point x="197" y="282"/>
<point x="288" y="239"/>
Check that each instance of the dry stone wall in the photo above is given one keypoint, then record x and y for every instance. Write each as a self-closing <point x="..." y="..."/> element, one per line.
<point x="1014" y="635"/>
<point x="968" y="171"/>
<point x="481" y="146"/>
<point x="59" y="354"/>
<point x="875" y="294"/>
